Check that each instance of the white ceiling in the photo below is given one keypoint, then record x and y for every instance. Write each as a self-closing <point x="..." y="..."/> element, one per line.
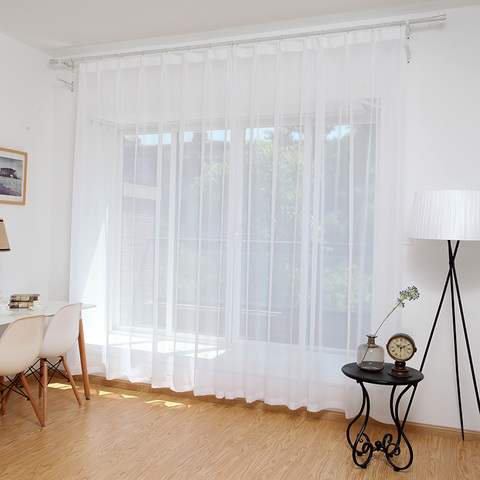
<point x="76" y="27"/>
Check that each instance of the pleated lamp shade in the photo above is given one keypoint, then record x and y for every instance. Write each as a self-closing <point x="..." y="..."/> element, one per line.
<point x="446" y="215"/>
<point x="4" y="246"/>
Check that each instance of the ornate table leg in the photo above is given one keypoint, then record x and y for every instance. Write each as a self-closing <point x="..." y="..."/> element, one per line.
<point x="388" y="447"/>
<point x="362" y="438"/>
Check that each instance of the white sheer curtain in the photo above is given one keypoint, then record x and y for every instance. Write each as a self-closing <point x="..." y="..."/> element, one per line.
<point x="236" y="213"/>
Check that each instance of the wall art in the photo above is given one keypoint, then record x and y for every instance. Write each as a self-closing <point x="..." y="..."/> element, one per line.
<point x="13" y="176"/>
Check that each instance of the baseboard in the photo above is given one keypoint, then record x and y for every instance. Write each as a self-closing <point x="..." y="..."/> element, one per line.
<point x="331" y="415"/>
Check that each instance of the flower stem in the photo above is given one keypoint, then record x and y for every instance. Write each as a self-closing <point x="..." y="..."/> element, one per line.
<point x="391" y="311"/>
<point x="375" y="334"/>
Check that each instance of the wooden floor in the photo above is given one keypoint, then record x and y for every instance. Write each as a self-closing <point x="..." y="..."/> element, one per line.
<point x="134" y="435"/>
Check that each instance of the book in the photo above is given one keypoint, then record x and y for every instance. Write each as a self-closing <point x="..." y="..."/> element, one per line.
<point x="20" y="304"/>
<point x="24" y="297"/>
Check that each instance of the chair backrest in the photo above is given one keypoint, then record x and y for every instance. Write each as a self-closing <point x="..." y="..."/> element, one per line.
<point x="62" y="331"/>
<point x="20" y="344"/>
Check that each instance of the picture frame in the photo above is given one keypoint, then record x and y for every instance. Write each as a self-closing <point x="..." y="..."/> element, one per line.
<point x="13" y="176"/>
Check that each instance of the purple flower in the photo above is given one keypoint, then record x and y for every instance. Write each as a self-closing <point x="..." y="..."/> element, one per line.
<point x="410" y="293"/>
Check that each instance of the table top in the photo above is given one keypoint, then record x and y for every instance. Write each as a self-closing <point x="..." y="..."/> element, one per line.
<point x="382" y="377"/>
<point x="51" y="308"/>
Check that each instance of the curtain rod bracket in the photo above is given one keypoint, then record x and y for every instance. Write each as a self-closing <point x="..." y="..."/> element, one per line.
<point x="68" y="84"/>
<point x="53" y="62"/>
<point x="407" y="52"/>
<point x="408" y="32"/>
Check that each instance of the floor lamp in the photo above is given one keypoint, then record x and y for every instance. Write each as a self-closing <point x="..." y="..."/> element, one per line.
<point x="454" y="216"/>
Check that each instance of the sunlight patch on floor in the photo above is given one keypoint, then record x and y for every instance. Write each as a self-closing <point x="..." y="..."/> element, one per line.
<point x="60" y="386"/>
<point x="166" y="403"/>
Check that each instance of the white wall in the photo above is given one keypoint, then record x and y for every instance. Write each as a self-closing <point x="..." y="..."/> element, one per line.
<point x="37" y="117"/>
<point x="442" y="144"/>
<point x="442" y="151"/>
<point x="61" y="163"/>
<point x="26" y="125"/>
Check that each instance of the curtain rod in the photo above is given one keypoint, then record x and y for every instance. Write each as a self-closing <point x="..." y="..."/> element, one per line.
<point x="70" y="62"/>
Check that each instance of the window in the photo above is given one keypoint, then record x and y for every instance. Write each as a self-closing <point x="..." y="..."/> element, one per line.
<point x="264" y="237"/>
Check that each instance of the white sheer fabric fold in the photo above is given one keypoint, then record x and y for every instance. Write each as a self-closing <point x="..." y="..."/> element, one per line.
<point x="235" y="214"/>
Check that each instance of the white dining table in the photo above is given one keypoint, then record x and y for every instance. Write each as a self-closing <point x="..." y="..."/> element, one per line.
<point x="49" y="309"/>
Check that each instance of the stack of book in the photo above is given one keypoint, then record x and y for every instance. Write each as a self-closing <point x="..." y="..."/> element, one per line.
<point x="23" y="300"/>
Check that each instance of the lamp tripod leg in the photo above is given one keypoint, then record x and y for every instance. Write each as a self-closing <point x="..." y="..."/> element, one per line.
<point x="452" y="281"/>
<point x="467" y="342"/>
<point x="442" y="298"/>
<point x="454" y="329"/>
<point x="432" y="331"/>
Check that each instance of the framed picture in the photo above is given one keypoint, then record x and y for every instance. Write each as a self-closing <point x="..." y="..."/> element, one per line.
<point x="13" y="176"/>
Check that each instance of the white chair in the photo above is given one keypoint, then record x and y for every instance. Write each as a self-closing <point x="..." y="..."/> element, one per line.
<point x="19" y="348"/>
<point x="60" y="335"/>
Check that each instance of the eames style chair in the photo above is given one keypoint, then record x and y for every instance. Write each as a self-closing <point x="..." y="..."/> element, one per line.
<point x="60" y="335"/>
<point x="19" y="348"/>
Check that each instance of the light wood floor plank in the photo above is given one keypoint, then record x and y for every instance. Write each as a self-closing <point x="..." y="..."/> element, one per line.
<point x="144" y="436"/>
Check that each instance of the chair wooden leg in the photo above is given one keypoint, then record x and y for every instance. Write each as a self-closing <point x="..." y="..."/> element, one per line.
<point x="2" y="393"/>
<point x="44" y="385"/>
<point x="40" y="384"/>
<point x="72" y="382"/>
<point x="7" y="396"/>
<point x="32" y="400"/>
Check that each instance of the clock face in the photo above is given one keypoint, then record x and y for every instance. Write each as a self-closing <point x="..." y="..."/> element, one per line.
<point x="401" y="347"/>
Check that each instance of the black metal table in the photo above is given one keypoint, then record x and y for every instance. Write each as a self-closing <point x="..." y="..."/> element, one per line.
<point x="362" y="447"/>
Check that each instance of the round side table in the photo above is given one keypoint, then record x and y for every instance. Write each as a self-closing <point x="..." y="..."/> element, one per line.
<point x="362" y="447"/>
